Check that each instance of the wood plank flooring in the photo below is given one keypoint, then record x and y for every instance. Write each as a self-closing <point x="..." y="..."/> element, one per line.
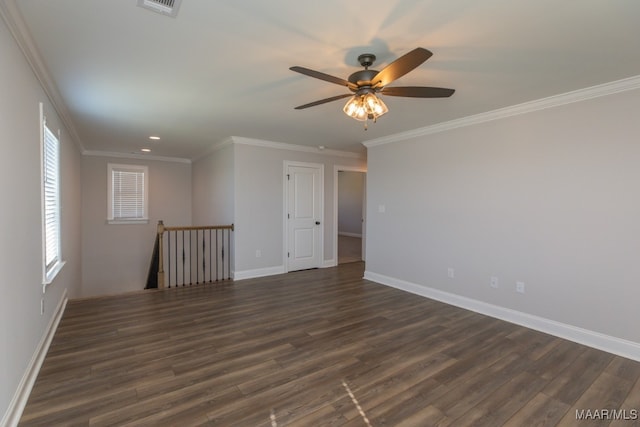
<point x="349" y="249"/>
<point x="316" y="348"/>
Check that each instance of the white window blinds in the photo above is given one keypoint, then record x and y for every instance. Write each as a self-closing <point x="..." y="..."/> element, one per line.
<point x="127" y="193"/>
<point x="51" y="199"/>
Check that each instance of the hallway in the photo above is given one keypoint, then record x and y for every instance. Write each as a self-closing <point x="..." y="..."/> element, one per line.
<point x="349" y="249"/>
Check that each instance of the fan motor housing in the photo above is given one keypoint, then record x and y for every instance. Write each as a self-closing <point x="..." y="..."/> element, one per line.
<point x="363" y="76"/>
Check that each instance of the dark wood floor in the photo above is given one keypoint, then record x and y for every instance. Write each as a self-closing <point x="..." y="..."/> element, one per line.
<point x="349" y="249"/>
<point x="315" y="348"/>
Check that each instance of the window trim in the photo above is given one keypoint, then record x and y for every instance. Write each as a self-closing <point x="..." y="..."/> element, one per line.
<point x="111" y="167"/>
<point x="50" y="270"/>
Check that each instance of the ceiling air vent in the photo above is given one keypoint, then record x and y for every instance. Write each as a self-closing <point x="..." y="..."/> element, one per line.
<point x="164" y="7"/>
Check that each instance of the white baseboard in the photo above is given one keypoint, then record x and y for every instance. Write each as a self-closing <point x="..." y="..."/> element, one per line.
<point x="329" y="263"/>
<point x="272" y="271"/>
<point x="258" y="272"/>
<point x="19" y="401"/>
<point x="344" y="233"/>
<point x="621" y="347"/>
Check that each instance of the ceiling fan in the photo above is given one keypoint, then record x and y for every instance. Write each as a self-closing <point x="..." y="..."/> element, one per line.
<point x="366" y="84"/>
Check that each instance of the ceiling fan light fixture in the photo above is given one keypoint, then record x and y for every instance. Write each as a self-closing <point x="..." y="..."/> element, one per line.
<point x="354" y="108"/>
<point x="374" y="105"/>
<point x="365" y="84"/>
<point x="364" y="107"/>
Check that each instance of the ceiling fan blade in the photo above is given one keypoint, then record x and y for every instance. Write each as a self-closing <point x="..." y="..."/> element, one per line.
<point x="418" y="91"/>
<point x="401" y="66"/>
<point x="323" y="101"/>
<point x="323" y="76"/>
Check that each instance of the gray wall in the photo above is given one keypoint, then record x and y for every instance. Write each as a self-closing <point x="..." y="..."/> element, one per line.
<point x="116" y="256"/>
<point x="259" y="201"/>
<point x="549" y="198"/>
<point x="213" y="187"/>
<point x="350" y="199"/>
<point x="253" y="170"/>
<point x="23" y="327"/>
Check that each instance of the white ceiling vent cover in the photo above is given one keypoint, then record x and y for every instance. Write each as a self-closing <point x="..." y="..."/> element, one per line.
<point x="164" y="7"/>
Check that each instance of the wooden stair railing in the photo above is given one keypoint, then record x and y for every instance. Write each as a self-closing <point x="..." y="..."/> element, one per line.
<point x="192" y="255"/>
<point x="152" y="275"/>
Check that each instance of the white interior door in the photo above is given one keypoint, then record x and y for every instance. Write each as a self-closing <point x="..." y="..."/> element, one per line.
<point x="304" y="216"/>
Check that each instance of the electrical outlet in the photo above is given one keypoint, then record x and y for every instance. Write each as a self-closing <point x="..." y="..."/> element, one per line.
<point x="520" y="287"/>
<point x="258" y="253"/>
<point x="451" y="272"/>
<point x="494" y="282"/>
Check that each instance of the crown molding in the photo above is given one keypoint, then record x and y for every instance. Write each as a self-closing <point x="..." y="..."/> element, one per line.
<point x="135" y="156"/>
<point x="295" y="147"/>
<point x="275" y="145"/>
<point x="605" y="89"/>
<point x="213" y="148"/>
<point x="10" y="12"/>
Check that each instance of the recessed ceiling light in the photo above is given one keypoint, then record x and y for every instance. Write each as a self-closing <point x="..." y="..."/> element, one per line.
<point x="155" y="138"/>
<point x="145" y="150"/>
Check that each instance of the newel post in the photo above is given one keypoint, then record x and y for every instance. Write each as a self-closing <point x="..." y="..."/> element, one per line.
<point x="160" y="255"/>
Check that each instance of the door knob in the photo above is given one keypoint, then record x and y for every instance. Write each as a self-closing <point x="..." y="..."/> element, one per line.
<point x="317" y="222"/>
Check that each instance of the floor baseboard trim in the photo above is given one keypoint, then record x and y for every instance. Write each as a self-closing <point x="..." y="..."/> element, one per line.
<point x="327" y="263"/>
<point x="258" y="272"/>
<point x="346" y="234"/>
<point x="610" y="344"/>
<point x="19" y="401"/>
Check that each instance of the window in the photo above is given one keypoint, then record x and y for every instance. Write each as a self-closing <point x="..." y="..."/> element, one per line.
<point x="128" y="194"/>
<point x="52" y="259"/>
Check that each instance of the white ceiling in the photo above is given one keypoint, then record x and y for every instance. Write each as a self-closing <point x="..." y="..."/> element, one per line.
<point x="221" y="68"/>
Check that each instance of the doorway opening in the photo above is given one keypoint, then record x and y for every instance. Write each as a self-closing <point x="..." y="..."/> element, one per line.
<point x="350" y="214"/>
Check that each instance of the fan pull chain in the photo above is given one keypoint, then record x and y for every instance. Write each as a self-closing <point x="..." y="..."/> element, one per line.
<point x="366" y="127"/>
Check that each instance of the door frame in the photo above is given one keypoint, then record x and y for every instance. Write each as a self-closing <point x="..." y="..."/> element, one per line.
<point x="285" y="206"/>
<point x="336" y="169"/>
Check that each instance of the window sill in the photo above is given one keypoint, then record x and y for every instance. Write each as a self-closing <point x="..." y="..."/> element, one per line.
<point x="52" y="273"/>
<point x="128" y="221"/>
